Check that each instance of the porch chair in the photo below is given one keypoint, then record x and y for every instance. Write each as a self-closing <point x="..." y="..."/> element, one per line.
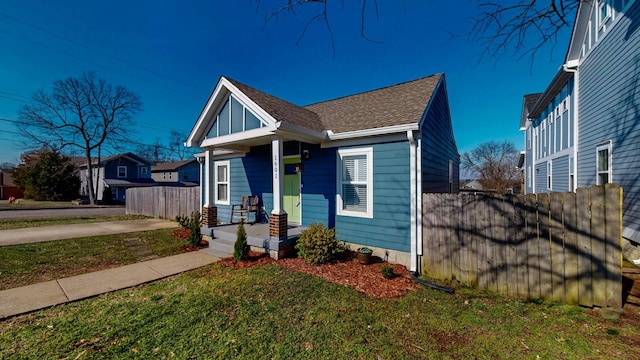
<point x="249" y="205"/>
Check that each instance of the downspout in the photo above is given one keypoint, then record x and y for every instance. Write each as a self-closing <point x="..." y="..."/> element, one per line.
<point x="574" y="111"/>
<point x="413" y="202"/>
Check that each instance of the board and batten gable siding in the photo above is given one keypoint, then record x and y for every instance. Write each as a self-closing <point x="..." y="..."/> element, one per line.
<point x="609" y="102"/>
<point x="439" y="146"/>
<point x="389" y="228"/>
<point x="319" y="186"/>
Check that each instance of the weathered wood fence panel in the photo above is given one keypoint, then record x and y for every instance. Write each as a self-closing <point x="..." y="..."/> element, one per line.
<point x="164" y="202"/>
<point x="558" y="246"/>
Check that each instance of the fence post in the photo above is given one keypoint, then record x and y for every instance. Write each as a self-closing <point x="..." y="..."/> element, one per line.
<point x="556" y="244"/>
<point x="613" y="235"/>
<point x="571" y="249"/>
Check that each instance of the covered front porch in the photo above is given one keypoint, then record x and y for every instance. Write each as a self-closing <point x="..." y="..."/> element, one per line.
<point x="222" y="238"/>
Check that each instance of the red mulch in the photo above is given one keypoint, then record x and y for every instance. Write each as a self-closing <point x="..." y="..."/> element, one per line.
<point x="184" y="235"/>
<point x="367" y="279"/>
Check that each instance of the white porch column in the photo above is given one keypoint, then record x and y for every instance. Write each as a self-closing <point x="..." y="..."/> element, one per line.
<point x="276" y="151"/>
<point x="208" y="179"/>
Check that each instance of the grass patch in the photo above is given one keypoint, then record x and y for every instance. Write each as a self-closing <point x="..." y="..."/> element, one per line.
<point x="272" y="312"/>
<point x="32" y="263"/>
<point x="33" y="204"/>
<point x="7" y="224"/>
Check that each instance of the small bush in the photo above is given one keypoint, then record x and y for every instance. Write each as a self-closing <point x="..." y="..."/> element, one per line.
<point x="184" y="221"/>
<point x="318" y="245"/>
<point x="194" y="225"/>
<point x="241" y="248"/>
<point x="387" y="271"/>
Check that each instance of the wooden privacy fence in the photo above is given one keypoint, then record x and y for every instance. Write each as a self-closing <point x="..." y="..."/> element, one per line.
<point x="165" y="202"/>
<point x="558" y="246"/>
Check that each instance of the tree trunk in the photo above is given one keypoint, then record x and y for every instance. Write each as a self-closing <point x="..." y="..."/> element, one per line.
<point x="92" y="191"/>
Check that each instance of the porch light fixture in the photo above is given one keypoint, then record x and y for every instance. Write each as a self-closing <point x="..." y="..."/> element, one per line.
<point x="299" y="167"/>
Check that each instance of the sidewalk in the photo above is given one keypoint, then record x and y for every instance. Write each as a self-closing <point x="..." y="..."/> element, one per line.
<point x="70" y="231"/>
<point x="38" y="296"/>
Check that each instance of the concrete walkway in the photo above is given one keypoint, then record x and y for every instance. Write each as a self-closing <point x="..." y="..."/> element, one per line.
<point x="70" y="231"/>
<point x="38" y="296"/>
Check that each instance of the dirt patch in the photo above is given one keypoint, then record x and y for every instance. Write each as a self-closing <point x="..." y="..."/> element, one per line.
<point x="367" y="279"/>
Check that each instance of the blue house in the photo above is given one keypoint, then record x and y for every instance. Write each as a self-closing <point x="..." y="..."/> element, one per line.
<point x="358" y="163"/>
<point x="116" y="173"/>
<point x="584" y="129"/>
<point x="176" y="173"/>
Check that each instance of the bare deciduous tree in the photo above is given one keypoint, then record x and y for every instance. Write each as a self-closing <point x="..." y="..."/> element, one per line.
<point x="81" y="113"/>
<point x="176" y="144"/>
<point x="518" y="26"/>
<point x="496" y="163"/>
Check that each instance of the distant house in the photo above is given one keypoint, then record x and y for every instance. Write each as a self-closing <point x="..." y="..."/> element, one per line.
<point x="358" y="164"/>
<point x="117" y="173"/>
<point x="584" y="129"/>
<point x="472" y="184"/>
<point x="8" y="188"/>
<point x="177" y="173"/>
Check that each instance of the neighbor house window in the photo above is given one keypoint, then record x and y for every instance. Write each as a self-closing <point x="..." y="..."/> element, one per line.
<point x="122" y="171"/>
<point x="143" y="170"/>
<point x="604" y="12"/>
<point x="355" y="182"/>
<point x="185" y="176"/>
<point x="222" y="182"/>
<point x="603" y="164"/>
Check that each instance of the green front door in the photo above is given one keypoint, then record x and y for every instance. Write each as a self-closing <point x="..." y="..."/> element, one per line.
<point x="291" y="191"/>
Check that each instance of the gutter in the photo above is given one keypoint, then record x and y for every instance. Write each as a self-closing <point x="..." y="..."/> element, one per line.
<point x="572" y="67"/>
<point x="413" y="202"/>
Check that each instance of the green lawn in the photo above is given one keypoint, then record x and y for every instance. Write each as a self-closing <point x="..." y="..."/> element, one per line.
<point x="6" y="224"/>
<point x="272" y="312"/>
<point x="33" y="204"/>
<point x="32" y="263"/>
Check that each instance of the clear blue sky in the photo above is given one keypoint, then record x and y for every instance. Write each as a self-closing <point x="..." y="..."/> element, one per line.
<point x="172" y="53"/>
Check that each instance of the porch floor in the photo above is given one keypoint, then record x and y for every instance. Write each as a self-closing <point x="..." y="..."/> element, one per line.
<point x="222" y="237"/>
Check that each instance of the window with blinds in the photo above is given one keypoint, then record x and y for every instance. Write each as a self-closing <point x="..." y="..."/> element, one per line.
<point x="355" y="182"/>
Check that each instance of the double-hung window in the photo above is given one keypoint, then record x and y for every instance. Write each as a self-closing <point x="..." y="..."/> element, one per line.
<point x="355" y="182"/>
<point x="603" y="164"/>
<point x="222" y="182"/>
<point x="122" y="171"/>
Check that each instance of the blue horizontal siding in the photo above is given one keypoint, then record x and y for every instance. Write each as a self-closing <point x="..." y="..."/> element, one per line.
<point x="560" y="178"/>
<point x="389" y="228"/>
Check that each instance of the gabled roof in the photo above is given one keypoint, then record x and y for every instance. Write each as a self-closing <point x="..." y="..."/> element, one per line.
<point x="399" y="104"/>
<point x="527" y="105"/>
<point x="392" y="106"/>
<point x="279" y="109"/>
<point x="171" y="166"/>
<point x="130" y="156"/>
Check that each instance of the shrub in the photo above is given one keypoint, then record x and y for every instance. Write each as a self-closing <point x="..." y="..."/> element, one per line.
<point x="184" y="221"/>
<point x="387" y="271"/>
<point x="241" y="248"/>
<point x="318" y="245"/>
<point x="194" y="226"/>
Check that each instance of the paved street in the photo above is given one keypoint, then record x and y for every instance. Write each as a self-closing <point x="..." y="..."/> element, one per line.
<point x="66" y="212"/>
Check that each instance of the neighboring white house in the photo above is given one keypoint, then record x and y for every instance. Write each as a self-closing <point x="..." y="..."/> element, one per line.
<point x="179" y="173"/>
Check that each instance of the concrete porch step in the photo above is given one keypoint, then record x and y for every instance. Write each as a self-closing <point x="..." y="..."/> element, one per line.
<point x="217" y="253"/>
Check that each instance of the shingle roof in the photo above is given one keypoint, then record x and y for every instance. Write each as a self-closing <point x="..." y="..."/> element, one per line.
<point x="281" y="110"/>
<point x="399" y="104"/>
<point x="173" y="165"/>
<point x="530" y="100"/>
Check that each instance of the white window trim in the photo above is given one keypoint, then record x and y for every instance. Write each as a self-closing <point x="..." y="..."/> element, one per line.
<point x="368" y="152"/>
<point x="601" y="22"/>
<point x="143" y="170"/>
<point x="608" y="146"/>
<point x="572" y="172"/>
<point x="216" y="182"/>
<point x="118" y="171"/>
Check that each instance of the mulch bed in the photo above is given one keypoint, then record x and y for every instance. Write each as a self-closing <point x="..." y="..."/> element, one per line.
<point x="367" y="279"/>
<point x="184" y="235"/>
